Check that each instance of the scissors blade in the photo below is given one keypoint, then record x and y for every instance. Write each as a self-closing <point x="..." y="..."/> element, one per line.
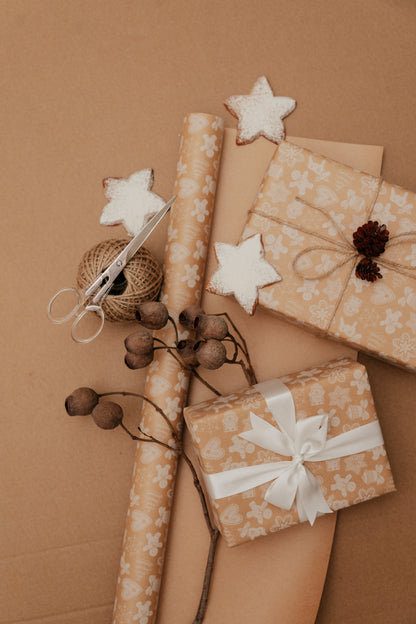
<point x="106" y="279"/>
<point x="143" y="235"/>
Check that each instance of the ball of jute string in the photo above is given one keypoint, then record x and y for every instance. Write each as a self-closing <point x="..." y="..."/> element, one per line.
<point x="139" y="281"/>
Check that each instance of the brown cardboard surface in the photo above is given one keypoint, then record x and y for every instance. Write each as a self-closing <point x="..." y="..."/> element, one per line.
<point x="97" y="88"/>
<point x="66" y="557"/>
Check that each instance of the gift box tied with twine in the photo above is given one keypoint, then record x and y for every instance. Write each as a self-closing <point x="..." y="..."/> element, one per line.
<point x="344" y="243"/>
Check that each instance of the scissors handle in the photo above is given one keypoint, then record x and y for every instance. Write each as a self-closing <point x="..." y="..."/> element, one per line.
<point x="71" y="313"/>
<point x="89" y="309"/>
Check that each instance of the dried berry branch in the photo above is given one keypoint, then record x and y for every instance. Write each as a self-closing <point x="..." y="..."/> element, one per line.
<point x="189" y="368"/>
<point x="206" y="349"/>
<point x="152" y="403"/>
<point x="109" y="415"/>
<point x="245" y="365"/>
<point x="175" y="327"/>
<point x="148" y="439"/>
<point x="235" y="345"/>
<point x="205" y="382"/>
<point x="239" y="334"/>
<point x="214" y="534"/>
<point x="207" y="578"/>
<point x="250" y="374"/>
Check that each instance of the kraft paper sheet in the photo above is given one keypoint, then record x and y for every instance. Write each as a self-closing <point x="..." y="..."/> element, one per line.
<point x="258" y="581"/>
<point x="167" y="384"/>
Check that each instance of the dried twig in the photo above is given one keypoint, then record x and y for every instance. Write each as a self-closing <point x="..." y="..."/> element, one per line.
<point x="248" y="370"/>
<point x="188" y="368"/>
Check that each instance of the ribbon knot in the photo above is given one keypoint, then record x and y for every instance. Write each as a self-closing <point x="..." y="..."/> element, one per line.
<point x="298" y="460"/>
<point x="303" y="441"/>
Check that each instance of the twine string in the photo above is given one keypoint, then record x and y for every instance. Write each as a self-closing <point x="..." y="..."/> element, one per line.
<point x="345" y="247"/>
<point x="142" y="278"/>
<point x="321" y="275"/>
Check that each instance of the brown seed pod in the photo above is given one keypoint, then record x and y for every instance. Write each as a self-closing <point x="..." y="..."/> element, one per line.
<point x="211" y="353"/>
<point x="210" y="326"/>
<point x="107" y="415"/>
<point x="138" y="360"/>
<point x="188" y="315"/>
<point x="81" y="402"/>
<point x="140" y="341"/>
<point x="152" y="314"/>
<point x="186" y="350"/>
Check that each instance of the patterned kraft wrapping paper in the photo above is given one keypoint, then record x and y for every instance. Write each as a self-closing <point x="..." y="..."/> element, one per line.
<point x="154" y="471"/>
<point x="378" y="317"/>
<point x="340" y="389"/>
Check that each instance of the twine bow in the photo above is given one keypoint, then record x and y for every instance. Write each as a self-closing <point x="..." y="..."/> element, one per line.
<point x="349" y="250"/>
<point x="345" y="247"/>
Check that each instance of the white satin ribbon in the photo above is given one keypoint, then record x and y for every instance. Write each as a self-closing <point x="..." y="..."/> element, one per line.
<point x="304" y="441"/>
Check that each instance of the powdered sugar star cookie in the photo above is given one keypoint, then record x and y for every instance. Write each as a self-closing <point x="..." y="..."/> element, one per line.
<point x="260" y="113"/>
<point x="132" y="202"/>
<point x="242" y="271"/>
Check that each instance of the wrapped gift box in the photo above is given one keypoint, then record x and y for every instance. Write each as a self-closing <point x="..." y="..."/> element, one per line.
<point x="307" y="210"/>
<point x="288" y="450"/>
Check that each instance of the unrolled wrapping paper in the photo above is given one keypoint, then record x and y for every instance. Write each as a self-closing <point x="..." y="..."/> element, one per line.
<point x="307" y="210"/>
<point x="167" y="384"/>
<point x="299" y="557"/>
<point x="252" y="468"/>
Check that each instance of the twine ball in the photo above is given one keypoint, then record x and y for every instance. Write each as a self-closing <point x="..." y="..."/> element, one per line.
<point x="139" y="281"/>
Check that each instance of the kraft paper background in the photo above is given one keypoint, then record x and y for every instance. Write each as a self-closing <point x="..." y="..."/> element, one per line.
<point x="93" y="89"/>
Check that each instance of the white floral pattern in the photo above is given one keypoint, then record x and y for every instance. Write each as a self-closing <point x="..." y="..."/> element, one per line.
<point x="162" y="476"/>
<point x="153" y="544"/>
<point x="276" y="245"/>
<point x="143" y="613"/>
<point x="210" y="185"/>
<point x="392" y="321"/>
<point x="300" y="181"/>
<point x="278" y="192"/>
<point x="259" y="512"/>
<point x="209" y="145"/>
<point x="200" y="210"/>
<point x="191" y="276"/>
<point x="405" y="347"/>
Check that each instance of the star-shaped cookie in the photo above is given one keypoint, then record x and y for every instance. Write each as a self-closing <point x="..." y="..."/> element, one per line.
<point x="132" y="202"/>
<point x="242" y="271"/>
<point x="260" y="113"/>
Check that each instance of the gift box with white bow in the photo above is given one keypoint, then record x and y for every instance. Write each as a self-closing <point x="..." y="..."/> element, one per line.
<point x="288" y="450"/>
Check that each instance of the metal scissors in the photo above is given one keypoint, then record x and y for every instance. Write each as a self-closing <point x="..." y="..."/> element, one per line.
<point x="103" y="282"/>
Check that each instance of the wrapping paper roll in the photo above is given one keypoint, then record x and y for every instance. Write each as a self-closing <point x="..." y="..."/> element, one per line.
<point x="154" y="472"/>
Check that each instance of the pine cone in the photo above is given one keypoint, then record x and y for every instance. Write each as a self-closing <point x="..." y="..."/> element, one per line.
<point x="370" y="239"/>
<point x="368" y="270"/>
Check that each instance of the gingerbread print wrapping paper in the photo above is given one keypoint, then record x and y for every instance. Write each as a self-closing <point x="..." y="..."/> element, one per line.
<point x="333" y="401"/>
<point x="167" y="384"/>
<point x="307" y="209"/>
